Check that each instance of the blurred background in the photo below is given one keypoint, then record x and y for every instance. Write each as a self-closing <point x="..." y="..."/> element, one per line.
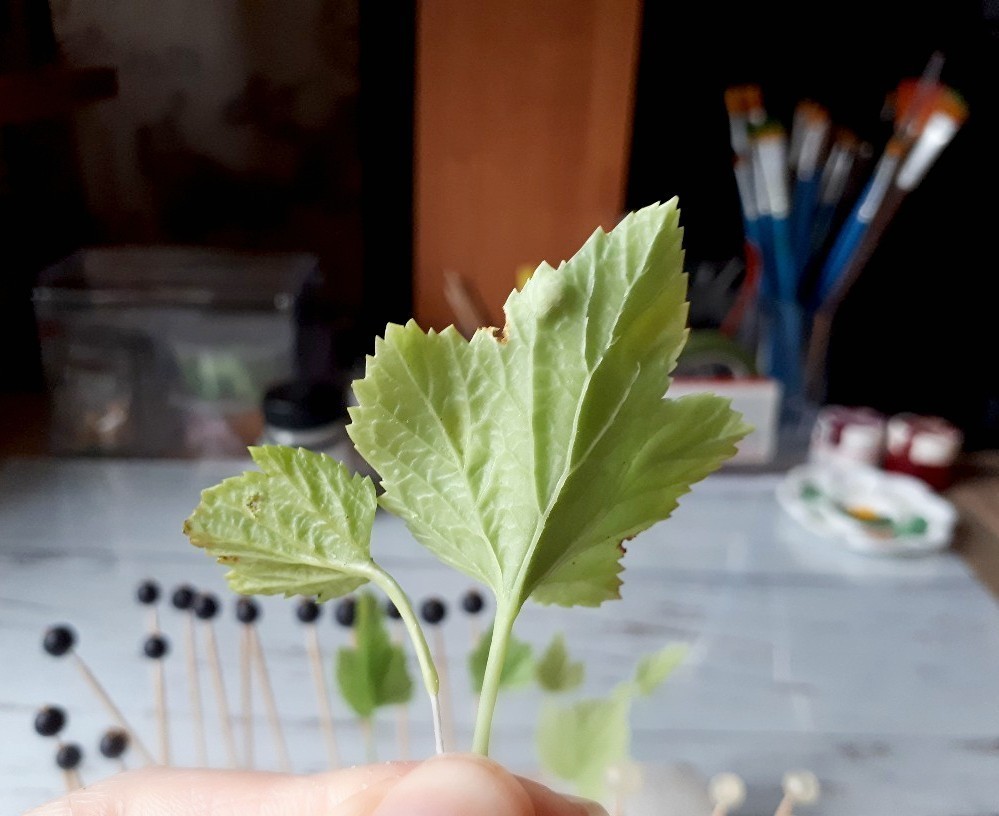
<point x="202" y="201"/>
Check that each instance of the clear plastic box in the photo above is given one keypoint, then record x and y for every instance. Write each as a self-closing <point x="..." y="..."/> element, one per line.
<point x="165" y="351"/>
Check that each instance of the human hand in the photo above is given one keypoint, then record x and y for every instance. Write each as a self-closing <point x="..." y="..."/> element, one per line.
<point x="452" y="785"/>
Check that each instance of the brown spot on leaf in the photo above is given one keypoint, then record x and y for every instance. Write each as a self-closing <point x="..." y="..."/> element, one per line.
<point x="228" y="559"/>
<point x="499" y="335"/>
<point x="253" y="503"/>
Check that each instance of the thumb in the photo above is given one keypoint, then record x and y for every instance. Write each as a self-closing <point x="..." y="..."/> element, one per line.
<point x="471" y="785"/>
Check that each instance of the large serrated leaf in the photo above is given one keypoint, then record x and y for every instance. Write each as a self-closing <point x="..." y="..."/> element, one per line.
<point x="526" y="457"/>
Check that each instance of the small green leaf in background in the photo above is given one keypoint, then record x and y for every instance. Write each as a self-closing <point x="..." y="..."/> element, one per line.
<point x="555" y="672"/>
<point x="301" y="525"/>
<point x="580" y="741"/>
<point x="653" y="669"/>
<point x="373" y="674"/>
<point x="518" y="666"/>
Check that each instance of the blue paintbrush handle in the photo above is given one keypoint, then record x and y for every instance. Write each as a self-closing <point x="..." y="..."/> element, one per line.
<point x="839" y="257"/>
<point x="806" y="194"/>
<point x="787" y="270"/>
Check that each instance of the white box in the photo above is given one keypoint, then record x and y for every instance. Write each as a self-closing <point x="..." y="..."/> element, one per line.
<point x="756" y="398"/>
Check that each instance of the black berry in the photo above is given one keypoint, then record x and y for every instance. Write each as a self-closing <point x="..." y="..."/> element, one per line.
<point x="308" y="610"/>
<point x="148" y="592"/>
<point x="114" y="743"/>
<point x="206" y="606"/>
<point x="392" y="611"/>
<point x="58" y="640"/>
<point x="156" y="647"/>
<point x="183" y="597"/>
<point x="49" y="721"/>
<point x="433" y="611"/>
<point x="69" y="756"/>
<point x="346" y="611"/>
<point x="472" y="602"/>
<point x="247" y="610"/>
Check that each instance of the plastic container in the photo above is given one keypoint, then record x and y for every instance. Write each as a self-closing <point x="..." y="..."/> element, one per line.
<point x="165" y="351"/>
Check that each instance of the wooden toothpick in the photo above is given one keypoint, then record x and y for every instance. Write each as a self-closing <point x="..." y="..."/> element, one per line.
<point x="183" y="600"/>
<point x="206" y="607"/>
<point x="248" y="612"/>
<point x="308" y="614"/>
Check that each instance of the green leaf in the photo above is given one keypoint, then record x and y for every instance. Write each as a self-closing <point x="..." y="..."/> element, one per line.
<point x="301" y="525"/>
<point x="580" y="741"/>
<point x="526" y="457"/>
<point x="518" y="664"/>
<point x="373" y="673"/>
<point x="555" y="672"/>
<point x="653" y="669"/>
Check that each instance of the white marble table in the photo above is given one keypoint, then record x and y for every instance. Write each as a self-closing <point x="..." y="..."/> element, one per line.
<point x="880" y="676"/>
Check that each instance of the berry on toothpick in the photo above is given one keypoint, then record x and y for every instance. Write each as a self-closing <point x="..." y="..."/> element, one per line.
<point x="307" y="611"/>
<point x="114" y="743"/>
<point x="183" y="597"/>
<point x="247" y="610"/>
<point x="148" y="593"/>
<point x="49" y="721"/>
<point x="60" y="641"/>
<point x="206" y="606"/>
<point x="345" y="612"/>
<point x="68" y="758"/>
<point x="472" y="602"/>
<point x="156" y="647"/>
<point x="433" y="611"/>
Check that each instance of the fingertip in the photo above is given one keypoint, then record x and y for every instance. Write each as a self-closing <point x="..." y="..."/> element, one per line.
<point x="457" y="785"/>
<point x="551" y="803"/>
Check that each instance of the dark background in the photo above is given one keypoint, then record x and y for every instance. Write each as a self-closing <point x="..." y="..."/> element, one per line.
<point x="916" y="333"/>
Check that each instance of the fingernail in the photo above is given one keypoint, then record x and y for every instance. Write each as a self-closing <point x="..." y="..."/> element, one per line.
<point x="456" y="786"/>
<point x="588" y="806"/>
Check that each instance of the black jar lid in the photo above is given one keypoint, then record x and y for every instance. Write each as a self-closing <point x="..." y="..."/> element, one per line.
<point x="302" y="405"/>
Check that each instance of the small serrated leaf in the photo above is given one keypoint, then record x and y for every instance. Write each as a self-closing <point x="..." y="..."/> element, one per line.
<point x="373" y="673"/>
<point x="301" y="525"/>
<point x="518" y="666"/>
<point x="555" y="672"/>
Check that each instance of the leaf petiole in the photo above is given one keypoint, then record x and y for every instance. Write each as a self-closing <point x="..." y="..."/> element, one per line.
<point x="380" y="578"/>
<point x="492" y="680"/>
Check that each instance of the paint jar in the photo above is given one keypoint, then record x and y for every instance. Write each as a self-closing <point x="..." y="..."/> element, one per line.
<point x="843" y="434"/>
<point x="923" y="446"/>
